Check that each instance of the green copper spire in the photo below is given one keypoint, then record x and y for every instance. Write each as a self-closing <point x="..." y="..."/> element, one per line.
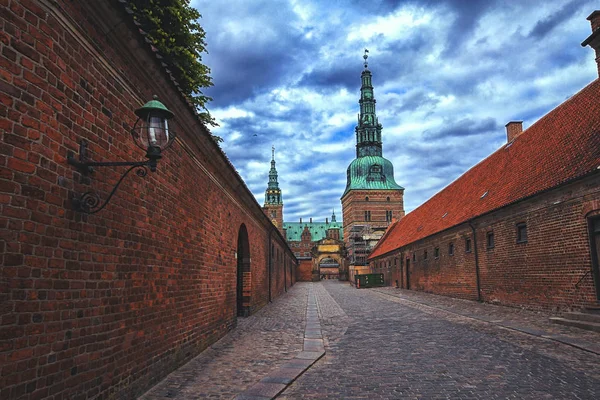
<point x="333" y="216"/>
<point x="369" y="170"/>
<point x="273" y="193"/>
<point x="368" y="130"/>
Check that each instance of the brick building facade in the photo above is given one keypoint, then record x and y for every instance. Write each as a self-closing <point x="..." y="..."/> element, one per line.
<point x="520" y="228"/>
<point x="106" y="305"/>
<point x="304" y="238"/>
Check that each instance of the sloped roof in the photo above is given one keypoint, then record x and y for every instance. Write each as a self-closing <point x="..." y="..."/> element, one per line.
<point x="562" y="146"/>
<point x="361" y="177"/>
<point x="318" y="230"/>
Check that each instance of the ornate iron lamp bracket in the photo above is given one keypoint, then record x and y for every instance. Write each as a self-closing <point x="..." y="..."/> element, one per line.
<point x="90" y="202"/>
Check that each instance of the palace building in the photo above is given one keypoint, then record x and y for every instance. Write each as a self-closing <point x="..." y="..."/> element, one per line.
<point x="372" y="198"/>
<point x="317" y="246"/>
<point x="371" y="201"/>
<point x="307" y="239"/>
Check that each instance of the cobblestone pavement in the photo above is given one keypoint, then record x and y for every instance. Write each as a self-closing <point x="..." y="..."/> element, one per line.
<point x="258" y="345"/>
<point x="391" y="344"/>
<point x="527" y="321"/>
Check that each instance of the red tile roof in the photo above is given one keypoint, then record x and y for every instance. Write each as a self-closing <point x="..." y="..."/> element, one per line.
<point x="562" y="146"/>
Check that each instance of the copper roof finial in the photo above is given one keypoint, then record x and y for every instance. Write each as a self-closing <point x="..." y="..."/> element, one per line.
<point x="365" y="56"/>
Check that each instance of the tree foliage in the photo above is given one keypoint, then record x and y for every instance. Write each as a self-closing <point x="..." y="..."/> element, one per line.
<point x="173" y="27"/>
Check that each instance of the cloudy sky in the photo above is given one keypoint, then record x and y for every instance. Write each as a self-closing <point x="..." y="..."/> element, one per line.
<point x="448" y="75"/>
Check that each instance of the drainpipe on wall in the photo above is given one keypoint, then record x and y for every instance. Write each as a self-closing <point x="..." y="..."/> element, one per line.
<point x="285" y="272"/>
<point x="476" y="260"/>
<point x="270" y="251"/>
<point x="401" y="270"/>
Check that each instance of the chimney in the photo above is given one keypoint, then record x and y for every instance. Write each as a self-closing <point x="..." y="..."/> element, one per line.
<point x="594" y="39"/>
<point x="513" y="129"/>
<point x="311" y="220"/>
<point x="326" y="221"/>
<point x="300" y="219"/>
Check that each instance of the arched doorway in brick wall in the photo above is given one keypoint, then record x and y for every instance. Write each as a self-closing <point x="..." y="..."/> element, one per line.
<point x="329" y="267"/>
<point x="594" y="231"/>
<point x="244" y="282"/>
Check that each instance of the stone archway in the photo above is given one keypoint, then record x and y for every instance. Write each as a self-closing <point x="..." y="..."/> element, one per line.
<point x="329" y="267"/>
<point x="243" y="283"/>
<point x="328" y="260"/>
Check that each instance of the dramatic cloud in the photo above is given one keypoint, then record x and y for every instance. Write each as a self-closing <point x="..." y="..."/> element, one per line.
<point x="553" y="20"/>
<point x="448" y="75"/>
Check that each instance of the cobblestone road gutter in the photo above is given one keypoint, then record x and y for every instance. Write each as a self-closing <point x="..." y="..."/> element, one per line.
<point x="279" y="379"/>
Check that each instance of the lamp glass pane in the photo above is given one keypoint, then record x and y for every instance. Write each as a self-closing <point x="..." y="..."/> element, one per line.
<point x="157" y="131"/>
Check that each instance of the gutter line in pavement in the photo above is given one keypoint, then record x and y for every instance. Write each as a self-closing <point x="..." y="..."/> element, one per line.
<point x="279" y="379"/>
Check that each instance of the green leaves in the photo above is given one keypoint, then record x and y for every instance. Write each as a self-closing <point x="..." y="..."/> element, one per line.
<point x="173" y="27"/>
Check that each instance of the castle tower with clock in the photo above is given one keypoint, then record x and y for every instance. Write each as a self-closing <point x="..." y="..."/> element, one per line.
<point x="273" y="206"/>
<point x="372" y="198"/>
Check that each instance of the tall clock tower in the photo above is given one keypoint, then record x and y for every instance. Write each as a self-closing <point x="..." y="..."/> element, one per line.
<point x="273" y="201"/>
<point x="372" y="198"/>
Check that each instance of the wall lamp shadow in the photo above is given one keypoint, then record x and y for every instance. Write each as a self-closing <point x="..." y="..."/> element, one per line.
<point x="150" y="133"/>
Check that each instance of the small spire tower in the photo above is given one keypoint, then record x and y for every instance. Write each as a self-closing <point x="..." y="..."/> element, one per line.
<point x="368" y="130"/>
<point x="273" y="206"/>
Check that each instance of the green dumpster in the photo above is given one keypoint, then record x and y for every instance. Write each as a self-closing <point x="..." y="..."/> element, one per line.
<point x="368" y="280"/>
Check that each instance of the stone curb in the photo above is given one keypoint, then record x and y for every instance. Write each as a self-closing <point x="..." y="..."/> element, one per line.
<point x="511" y="325"/>
<point x="279" y="379"/>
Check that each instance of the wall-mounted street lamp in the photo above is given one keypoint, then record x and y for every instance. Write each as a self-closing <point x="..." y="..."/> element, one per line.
<point x="150" y="132"/>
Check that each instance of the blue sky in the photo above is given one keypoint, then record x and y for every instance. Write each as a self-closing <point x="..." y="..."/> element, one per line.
<point x="448" y="75"/>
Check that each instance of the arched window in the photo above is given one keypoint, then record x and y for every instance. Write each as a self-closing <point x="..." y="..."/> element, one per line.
<point x="367" y="198"/>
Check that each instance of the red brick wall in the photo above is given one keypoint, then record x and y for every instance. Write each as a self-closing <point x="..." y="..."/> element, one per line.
<point x="106" y="305"/>
<point x="304" y="272"/>
<point x="386" y="267"/>
<point x="452" y="275"/>
<point x="541" y="273"/>
<point x="354" y="206"/>
<point x="544" y="270"/>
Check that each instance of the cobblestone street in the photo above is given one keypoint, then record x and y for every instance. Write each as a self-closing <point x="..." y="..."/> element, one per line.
<point x="258" y="345"/>
<point x="383" y="346"/>
<point x="390" y="344"/>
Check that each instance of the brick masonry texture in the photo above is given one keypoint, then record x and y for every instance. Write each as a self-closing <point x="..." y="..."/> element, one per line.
<point x="540" y="273"/>
<point x="105" y="305"/>
<point x="354" y="205"/>
<point x="304" y="271"/>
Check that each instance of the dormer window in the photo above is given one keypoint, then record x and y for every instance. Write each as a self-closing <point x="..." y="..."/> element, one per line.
<point x="375" y="174"/>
